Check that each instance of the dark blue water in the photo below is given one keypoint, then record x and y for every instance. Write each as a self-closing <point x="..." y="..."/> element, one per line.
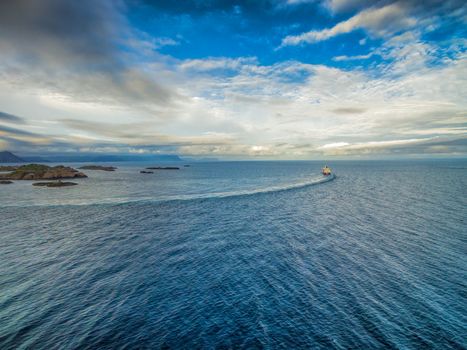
<point x="239" y="255"/>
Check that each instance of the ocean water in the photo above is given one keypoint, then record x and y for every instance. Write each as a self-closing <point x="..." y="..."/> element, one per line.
<point x="253" y="255"/>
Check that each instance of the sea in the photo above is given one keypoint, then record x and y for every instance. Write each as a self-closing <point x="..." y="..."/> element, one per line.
<point x="238" y="255"/>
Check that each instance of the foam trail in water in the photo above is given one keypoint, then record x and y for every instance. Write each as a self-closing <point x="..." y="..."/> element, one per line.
<point x="316" y="180"/>
<point x="212" y="195"/>
<point x="280" y="188"/>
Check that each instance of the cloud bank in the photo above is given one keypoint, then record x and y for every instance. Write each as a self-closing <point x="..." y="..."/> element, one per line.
<point x="382" y="19"/>
<point x="81" y="76"/>
<point x="377" y="21"/>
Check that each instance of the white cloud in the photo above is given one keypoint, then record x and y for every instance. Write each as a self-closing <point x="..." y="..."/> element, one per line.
<point x="288" y="109"/>
<point x="350" y="58"/>
<point x="370" y="147"/>
<point x="378" y="22"/>
<point x="208" y="64"/>
<point x="344" y="5"/>
<point x="334" y="145"/>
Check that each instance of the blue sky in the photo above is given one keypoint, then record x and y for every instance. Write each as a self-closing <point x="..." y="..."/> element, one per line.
<point x="272" y="79"/>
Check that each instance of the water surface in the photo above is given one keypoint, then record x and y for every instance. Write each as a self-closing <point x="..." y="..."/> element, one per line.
<point x="238" y="255"/>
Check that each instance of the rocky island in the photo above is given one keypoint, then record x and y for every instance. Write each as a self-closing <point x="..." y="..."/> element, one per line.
<point x="8" y="167"/>
<point x="40" y="172"/>
<point x="98" y="167"/>
<point x="54" y="184"/>
<point x="163" y="168"/>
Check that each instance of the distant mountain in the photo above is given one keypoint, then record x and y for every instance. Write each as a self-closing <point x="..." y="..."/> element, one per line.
<point x="101" y="158"/>
<point x="35" y="159"/>
<point x="8" y="157"/>
<point x="202" y="159"/>
<point x="125" y="158"/>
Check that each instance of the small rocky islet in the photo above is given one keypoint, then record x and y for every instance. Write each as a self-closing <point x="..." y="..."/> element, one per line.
<point x="40" y="172"/>
<point x="45" y="172"/>
<point x="163" y="168"/>
<point x="58" y="183"/>
<point x="158" y="168"/>
<point x="8" y="167"/>
<point x="98" y="167"/>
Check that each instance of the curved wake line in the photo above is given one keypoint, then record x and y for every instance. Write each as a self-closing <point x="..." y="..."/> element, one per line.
<point x="192" y="197"/>
<point x="269" y="189"/>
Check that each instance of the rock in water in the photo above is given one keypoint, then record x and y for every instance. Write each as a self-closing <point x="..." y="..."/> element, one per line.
<point x="98" y="167"/>
<point x="5" y="182"/>
<point x="8" y="167"/>
<point x="42" y="172"/>
<point x="54" y="184"/>
<point x="164" y="168"/>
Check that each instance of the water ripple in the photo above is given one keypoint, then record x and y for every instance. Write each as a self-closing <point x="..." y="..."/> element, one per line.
<point x="363" y="262"/>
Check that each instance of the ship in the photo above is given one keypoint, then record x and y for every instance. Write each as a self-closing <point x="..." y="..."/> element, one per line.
<point x="326" y="171"/>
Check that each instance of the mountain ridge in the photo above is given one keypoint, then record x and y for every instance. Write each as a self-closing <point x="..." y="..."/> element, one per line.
<point x="8" y="157"/>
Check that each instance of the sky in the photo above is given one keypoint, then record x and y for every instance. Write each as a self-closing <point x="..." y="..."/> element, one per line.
<point x="244" y="79"/>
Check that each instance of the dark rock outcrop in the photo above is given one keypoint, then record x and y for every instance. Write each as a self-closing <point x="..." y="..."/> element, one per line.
<point x="98" y="167"/>
<point x="146" y="172"/>
<point x="8" y="167"/>
<point x="164" y="168"/>
<point x="5" y="182"/>
<point x="54" y="184"/>
<point x="42" y="172"/>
